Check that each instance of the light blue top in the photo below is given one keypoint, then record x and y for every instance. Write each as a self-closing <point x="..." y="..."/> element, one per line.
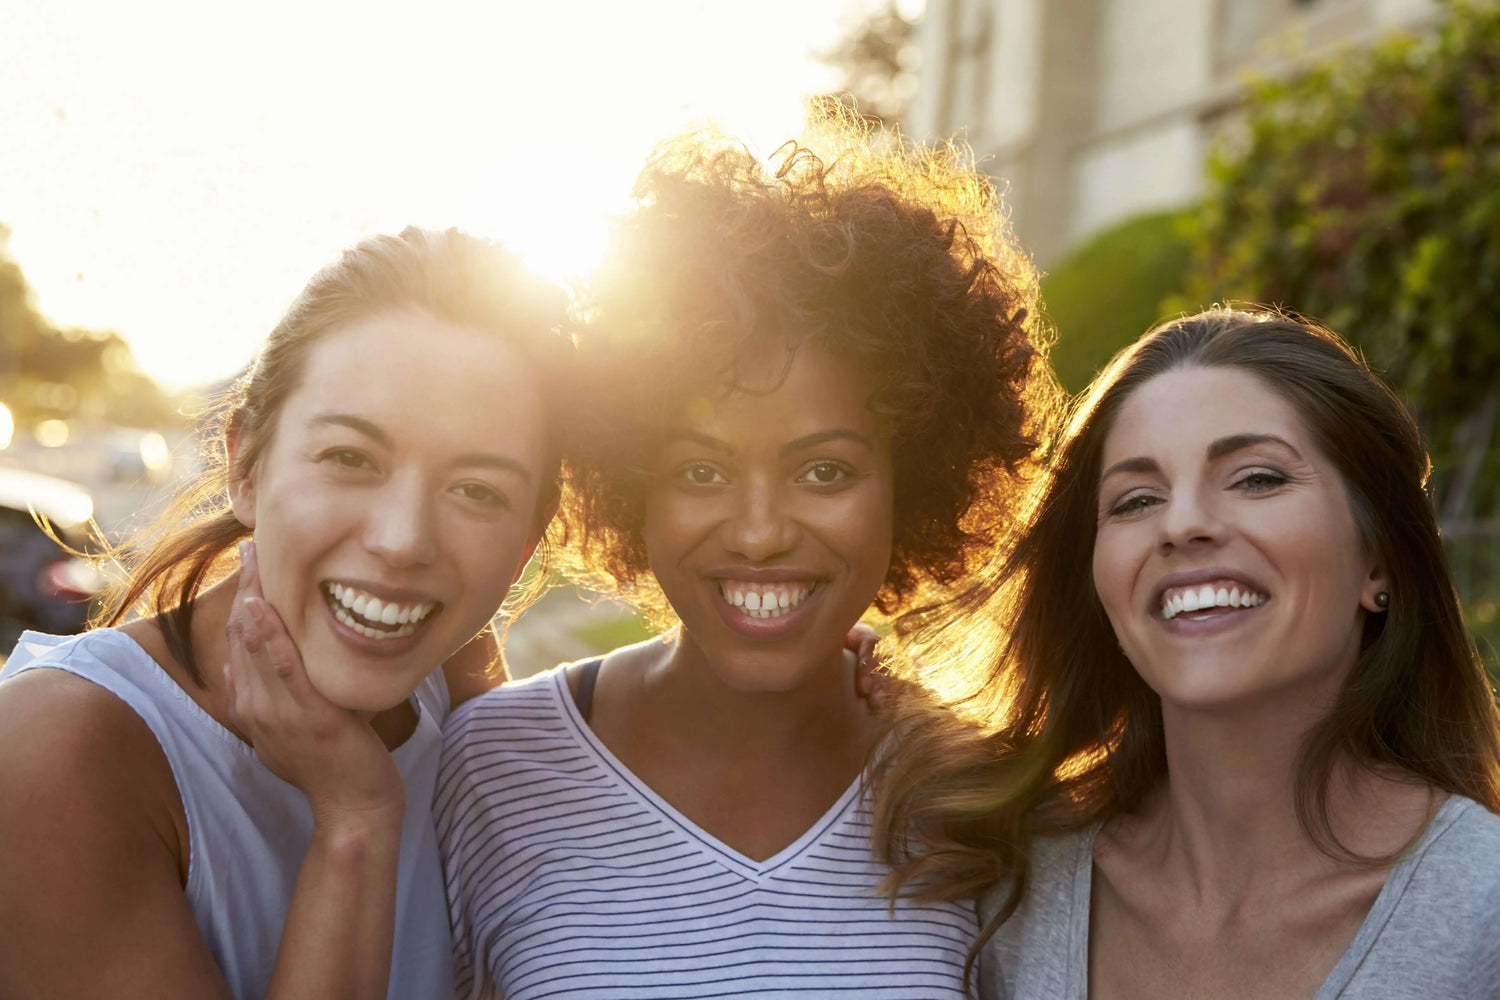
<point x="1433" y="933"/>
<point x="248" y="830"/>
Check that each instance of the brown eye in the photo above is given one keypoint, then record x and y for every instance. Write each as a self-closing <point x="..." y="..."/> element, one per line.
<point x="825" y="473"/>
<point x="346" y="458"/>
<point x="701" y="475"/>
<point x="482" y="494"/>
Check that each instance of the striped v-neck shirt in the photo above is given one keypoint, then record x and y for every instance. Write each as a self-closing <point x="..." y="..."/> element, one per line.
<point x="569" y="877"/>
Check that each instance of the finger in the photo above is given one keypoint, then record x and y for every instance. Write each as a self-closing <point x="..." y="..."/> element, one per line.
<point x="250" y="568"/>
<point x="279" y="654"/>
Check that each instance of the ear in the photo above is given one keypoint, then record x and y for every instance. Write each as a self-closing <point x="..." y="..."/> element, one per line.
<point x="1375" y="595"/>
<point x="241" y="480"/>
<point x="535" y="538"/>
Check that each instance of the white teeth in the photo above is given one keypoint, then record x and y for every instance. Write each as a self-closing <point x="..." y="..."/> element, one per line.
<point x="763" y="600"/>
<point x="342" y="614"/>
<point x="360" y="612"/>
<point x="1206" y="597"/>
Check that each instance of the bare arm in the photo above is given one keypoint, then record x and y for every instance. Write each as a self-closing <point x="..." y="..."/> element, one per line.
<point x="92" y="852"/>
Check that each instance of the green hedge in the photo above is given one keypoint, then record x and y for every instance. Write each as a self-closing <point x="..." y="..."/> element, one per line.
<point x="1112" y="289"/>
<point x="1366" y="193"/>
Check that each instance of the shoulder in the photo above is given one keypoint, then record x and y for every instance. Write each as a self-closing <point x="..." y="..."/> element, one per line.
<point x="81" y="763"/>
<point x="1462" y="848"/>
<point x="1053" y="862"/>
<point x="513" y="705"/>
<point x="1439" y="911"/>
<point x="520" y="725"/>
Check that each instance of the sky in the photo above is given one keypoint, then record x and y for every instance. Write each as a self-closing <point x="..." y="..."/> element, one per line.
<point x="175" y="171"/>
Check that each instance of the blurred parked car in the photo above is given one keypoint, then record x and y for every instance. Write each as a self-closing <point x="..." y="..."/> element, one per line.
<point x="42" y="585"/>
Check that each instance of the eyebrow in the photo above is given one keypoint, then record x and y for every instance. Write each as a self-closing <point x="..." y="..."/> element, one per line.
<point x="791" y="447"/>
<point x="1229" y="445"/>
<point x="482" y="459"/>
<point x="1223" y="446"/>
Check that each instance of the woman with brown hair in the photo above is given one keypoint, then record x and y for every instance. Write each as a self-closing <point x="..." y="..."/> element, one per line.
<point x="811" y="387"/>
<point x="1231" y="738"/>
<point x="185" y="811"/>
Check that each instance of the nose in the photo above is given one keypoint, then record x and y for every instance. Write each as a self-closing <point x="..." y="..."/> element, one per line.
<point x="760" y="526"/>
<point x="400" y="524"/>
<point x="1191" y="521"/>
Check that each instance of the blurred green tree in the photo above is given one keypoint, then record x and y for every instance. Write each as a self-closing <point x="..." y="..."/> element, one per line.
<point x="1365" y="192"/>
<point x="878" y="58"/>
<point x="1112" y="289"/>
<point x="50" y="372"/>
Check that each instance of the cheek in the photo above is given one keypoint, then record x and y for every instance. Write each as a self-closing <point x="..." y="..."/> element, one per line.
<point x="1112" y="572"/>
<point x="674" y="523"/>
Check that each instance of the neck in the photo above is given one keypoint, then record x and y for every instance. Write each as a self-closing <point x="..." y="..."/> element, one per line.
<point x="1228" y="811"/>
<point x="690" y="697"/>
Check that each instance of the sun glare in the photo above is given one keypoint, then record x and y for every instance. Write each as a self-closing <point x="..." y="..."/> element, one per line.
<point x="179" y="194"/>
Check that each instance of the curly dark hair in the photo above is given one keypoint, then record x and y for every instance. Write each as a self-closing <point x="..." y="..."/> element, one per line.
<point x="894" y="258"/>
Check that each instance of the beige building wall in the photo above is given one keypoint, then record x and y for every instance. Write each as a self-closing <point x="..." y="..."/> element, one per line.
<point x="1091" y="111"/>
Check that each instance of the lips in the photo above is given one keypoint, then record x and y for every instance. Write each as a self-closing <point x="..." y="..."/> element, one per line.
<point x="764" y="605"/>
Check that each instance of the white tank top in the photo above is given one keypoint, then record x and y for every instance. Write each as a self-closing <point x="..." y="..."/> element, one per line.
<point x="248" y="830"/>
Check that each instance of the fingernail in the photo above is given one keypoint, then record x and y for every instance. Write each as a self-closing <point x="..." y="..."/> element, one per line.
<point x="244" y="549"/>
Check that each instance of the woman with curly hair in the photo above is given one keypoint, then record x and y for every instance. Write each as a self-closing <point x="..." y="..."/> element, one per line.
<point x="1232" y="739"/>
<point x="811" y="393"/>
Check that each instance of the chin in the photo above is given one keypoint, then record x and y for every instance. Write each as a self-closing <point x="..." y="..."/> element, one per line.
<point x="762" y="672"/>
<point x="358" y="691"/>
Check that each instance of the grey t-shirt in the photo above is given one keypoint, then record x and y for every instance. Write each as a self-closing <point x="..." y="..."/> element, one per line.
<point x="1433" y="933"/>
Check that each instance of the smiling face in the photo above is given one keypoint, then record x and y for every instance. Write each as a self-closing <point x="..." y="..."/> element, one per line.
<point x="396" y="500"/>
<point x="1227" y="557"/>
<point x="768" y="524"/>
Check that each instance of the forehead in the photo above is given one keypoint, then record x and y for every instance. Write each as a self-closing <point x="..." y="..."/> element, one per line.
<point x="805" y="391"/>
<point x="1183" y="411"/>
<point x="409" y="371"/>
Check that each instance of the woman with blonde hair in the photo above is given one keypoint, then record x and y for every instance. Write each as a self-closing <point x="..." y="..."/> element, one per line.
<point x="1229" y="736"/>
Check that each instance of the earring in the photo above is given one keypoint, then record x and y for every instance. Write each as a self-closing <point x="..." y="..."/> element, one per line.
<point x="1382" y="600"/>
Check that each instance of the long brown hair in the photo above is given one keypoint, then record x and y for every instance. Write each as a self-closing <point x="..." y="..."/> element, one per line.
<point x="450" y="275"/>
<point x="1054" y="730"/>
